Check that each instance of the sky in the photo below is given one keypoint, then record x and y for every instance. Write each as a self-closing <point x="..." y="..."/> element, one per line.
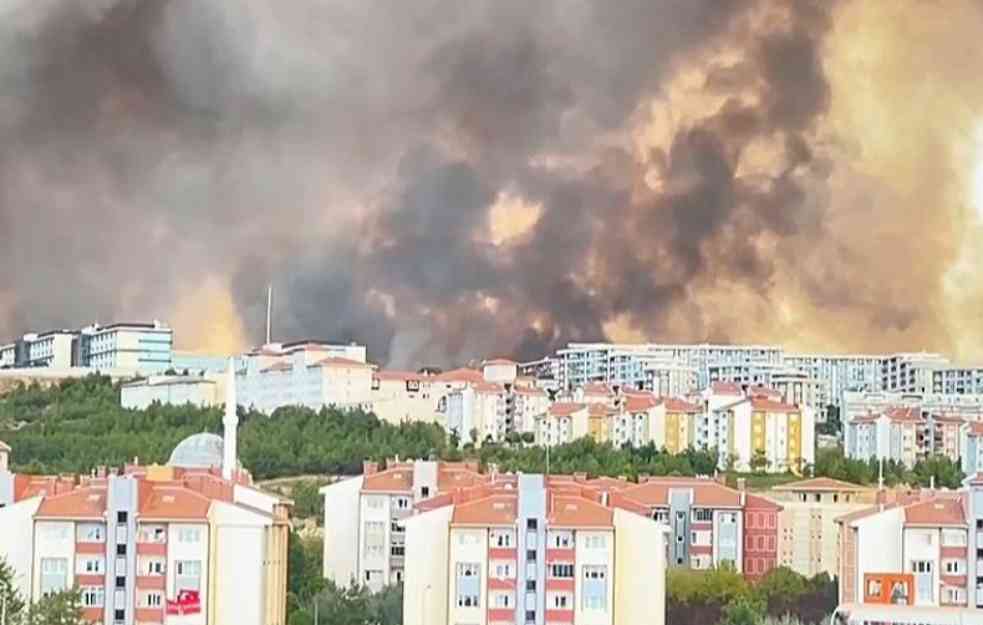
<point x="444" y="181"/>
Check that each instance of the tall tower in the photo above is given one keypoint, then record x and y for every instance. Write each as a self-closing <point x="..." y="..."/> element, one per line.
<point x="230" y="453"/>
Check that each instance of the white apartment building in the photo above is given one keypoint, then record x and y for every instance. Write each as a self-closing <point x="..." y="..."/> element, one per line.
<point x="172" y="390"/>
<point x="911" y="372"/>
<point x="958" y="381"/>
<point x="534" y="550"/>
<point x="839" y="373"/>
<point x="133" y="346"/>
<point x="581" y="363"/>
<point x="794" y="386"/>
<point x="364" y="540"/>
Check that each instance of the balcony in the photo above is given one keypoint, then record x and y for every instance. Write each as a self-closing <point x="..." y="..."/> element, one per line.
<point x="149" y="615"/>
<point x="90" y="548"/>
<point x="559" y="617"/>
<point x="152" y="549"/>
<point x="501" y="615"/>
<point x="90" y="580"/>
<point x="499" y="583"/>
<point x="503" y="553"/>
<point x="560" y="584"/>
<point x="151" y="582"/>
<point x="560" y="555"/>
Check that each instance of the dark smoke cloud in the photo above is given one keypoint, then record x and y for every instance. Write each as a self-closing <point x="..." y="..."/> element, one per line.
<point x="353" y="153"/>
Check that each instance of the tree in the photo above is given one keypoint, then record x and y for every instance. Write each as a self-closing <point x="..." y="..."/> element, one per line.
<point x="759" y="461"/>
<point x="63" y="608"/>
<point x="308" y="503"/>
<point x="9" y="596"/>
<point x="743" y="611"/>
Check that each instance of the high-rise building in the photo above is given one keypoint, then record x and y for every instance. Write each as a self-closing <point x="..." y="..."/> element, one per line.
<point x="140" y="347"/>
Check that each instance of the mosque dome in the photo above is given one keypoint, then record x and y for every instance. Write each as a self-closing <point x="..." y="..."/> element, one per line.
<point x="198" y="451"/>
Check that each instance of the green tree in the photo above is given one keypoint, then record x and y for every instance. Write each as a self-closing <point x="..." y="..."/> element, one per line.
<point x="64" y="608"/>
<point x="308" y="503"/>
<point x="10" y="598"/>
<point x="743" y="611"/>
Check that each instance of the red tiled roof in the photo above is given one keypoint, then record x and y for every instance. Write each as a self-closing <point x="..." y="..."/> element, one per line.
<point x="397" y="375"/>
<point x="935" y="512"/>
<point x="165" y="501"/>
<point x="461" y="375"/>
<point x="904" y="414"/>
<point x="769" y="405"/>
<point x="706" y="493"/>
<point x="454" y="476"/>
<point x="493" y="510"/>
<point x="596" y="388"/>
<point x="488" y="387"/>
<point x="335" y="361"/>
<point x="397" y="479"/>
<point x="976" y="428"/>
<point x="640" y="403"/>
<point x="726" y="388"/>
<point x="565" y="409"/>
<point x="572" y="511"/>
<point x="609" y="483"/>
<point x="81" y="503"/>
<point x="757" y="502"/>
<point x="846" y="519"/>
<point x="949" y="418"/>
<point x="824" y="484"/>
<point x="674" y="404"/>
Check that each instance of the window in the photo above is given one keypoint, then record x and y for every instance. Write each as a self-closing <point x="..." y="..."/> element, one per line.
<point x="155" y="567"/>
<point x="153" y="600"/>
<point x="954" y="595"/>
<point x="701" y="538"/>
<point x="954" y="567"/>
<point x="375" y="538"/>
<point x="532" y="524"/>
<point x="121" y="550"/>
<point x="396" y="528"/>
<point x="152" y="534"/>
<point x="594" y="588"/>
<point x="561" y="571"/>
<point x="373" y="502"/>
<point x="54" y="575"/>
<point x="560" y="540"/>
<point x="953" y="538"/>
<point x="91" y="533"/>
<point x="119" y="615"/>
<point x="921" y="566"/>
<point x="531" y="555"/>
<point x="531" y="585"/>
<point x="502" y="539"/>
<point x="187" y="575"/>
<point x="122" y="516"/>
<point x="91" y="566"/>
<point x="93" y="597"/>
<point x="596" y="542"/>
<point x="503" y="600"/>
<point x="424" y="491"/>
<point x="702" y="515"/>
<point x="560" y="602"/>
<point x="189" y="535"/>
<point x="503" y="571"/>
<point x="402" y="503"/>
<point x="398" y="551"/>
<point x="468" y="585"/>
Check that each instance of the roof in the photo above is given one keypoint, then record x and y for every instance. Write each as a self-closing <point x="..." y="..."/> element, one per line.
<point x="492" y="510"/>
<point x="640" y="403"/>
<point x="600" y="410"/>
<point x="335" y="361"/>
<point x="674" y="404"/>
<point x="909" y="413"/>
<point x="398" y="479"/>
<point x="976" y="428"/>
<point x="757" y="502"/>
<point x="487" y="387"/>
<point x="82" y="503"/>
<point x="939" y="511"/>
<point x="596" y="388"/>
<point x="398" y="375"/>
<point x="706" y="493"/>
<point x="160" y="501"/>
<point x="820" y="484"/>
<point x="572" y="511"/>
<point x="461" y="375"/>
<point x="726" y="388"/>
<point x="565" y="409"/>
<point x="278" y="366"/>
<point x="453" y="476"/>
<point x="609" y="483"/>
<point x="500" y="361"/>
<point x="198" y="451"/>
<point x="770" y="405"/>
<point x="530" y="390"/>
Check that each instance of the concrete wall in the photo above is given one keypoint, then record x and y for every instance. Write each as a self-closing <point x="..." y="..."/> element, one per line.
<point x="53" y="539"/>
<point x="237" y="586"/>
<point x="594" y="556"/>
<point x="879" y="545"/>
<point x="341" y="530"/>
<point x="639" y="580"/>
<point x="427" y="584"/>
<point x="17" y="541"/>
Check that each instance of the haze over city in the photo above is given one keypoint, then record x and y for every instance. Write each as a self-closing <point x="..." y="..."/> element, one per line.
<point x="443" y="181"/>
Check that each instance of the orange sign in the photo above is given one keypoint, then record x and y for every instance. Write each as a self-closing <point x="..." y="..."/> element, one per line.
<point x="889" y="588"/>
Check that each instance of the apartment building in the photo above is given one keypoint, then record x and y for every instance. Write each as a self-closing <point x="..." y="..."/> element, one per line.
<point x="808" y="534"/>
<point x="970" y="407"/>
<point x="172" y="390"/>
<point x="133" y="346"/>
<point x="493" y="403"/>
<point x="906" y="435"/>
<point x="179" y="543"/>
<point x="911" y="372"/>
<point x="958" y="381"/>
<point x="565" y="422"/>
<point x="710" y="524"/>
<point x="759" y="431"/>
<point x="534" y="550"/>
<point x="400" y="396"/>
<point x="581" y="363"/>
<point x="839" y="373"/>
<point x="921" y="553"/>
<point x="364" y="540"/>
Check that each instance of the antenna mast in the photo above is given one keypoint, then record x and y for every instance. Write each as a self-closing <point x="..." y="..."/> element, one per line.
<point x="269" y="314"/>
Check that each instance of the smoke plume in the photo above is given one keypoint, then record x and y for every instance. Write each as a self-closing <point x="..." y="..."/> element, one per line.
<point x="446" y="180"/>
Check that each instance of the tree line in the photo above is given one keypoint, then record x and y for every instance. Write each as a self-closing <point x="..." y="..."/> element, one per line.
<point x="79" y="424"/>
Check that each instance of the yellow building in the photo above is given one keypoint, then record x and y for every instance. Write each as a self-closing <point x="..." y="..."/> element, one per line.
<point x="808" y="536"/>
